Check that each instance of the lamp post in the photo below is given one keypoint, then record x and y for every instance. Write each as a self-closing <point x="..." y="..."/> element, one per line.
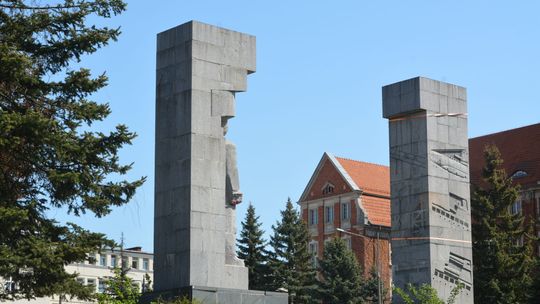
<point x="379" y="287"/>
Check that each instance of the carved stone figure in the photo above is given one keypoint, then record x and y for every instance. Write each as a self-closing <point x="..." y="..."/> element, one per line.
<point x="233" y="197"/>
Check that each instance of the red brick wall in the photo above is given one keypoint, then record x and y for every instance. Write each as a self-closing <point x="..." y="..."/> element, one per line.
<point x="337" y="215"/>
<point x="354" y="213"/>
<point x="366" y="252"/>
<point x="320" y="230"/>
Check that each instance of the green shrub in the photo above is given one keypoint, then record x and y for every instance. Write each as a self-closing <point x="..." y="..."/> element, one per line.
<point x="177" y="300"/>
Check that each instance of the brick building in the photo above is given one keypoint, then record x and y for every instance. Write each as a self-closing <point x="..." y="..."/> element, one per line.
<point x="351" y="200"/>
<point x="520" y="150"/>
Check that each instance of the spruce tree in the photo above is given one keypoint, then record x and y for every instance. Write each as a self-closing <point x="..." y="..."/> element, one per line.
<point x="290" y="261"/>
<point x="502" y="268"/>
<point x="340" y="275"/>
<point x="370" y="288"/>
<point x="535" y="284"/>
<point x="251" y="248"/>
<point x="49" y="155"/>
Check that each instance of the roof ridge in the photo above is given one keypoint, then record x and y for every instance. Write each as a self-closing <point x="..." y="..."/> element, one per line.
<point x="372" y="190"/>
<point x="506" y="131"/>
<point x="362" y="162"/>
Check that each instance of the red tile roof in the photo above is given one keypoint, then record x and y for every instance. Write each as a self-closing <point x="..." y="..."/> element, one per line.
<point x="520" y="150"/>
<point x="371" y="178"/>
<point x="377" y="209"/>
<point x="374" y="181"/>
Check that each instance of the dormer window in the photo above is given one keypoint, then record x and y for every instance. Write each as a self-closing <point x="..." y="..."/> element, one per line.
<point x="519" y="174"/>
<point x="328" y="188"/>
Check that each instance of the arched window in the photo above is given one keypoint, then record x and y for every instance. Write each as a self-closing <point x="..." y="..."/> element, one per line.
<point x="328" y="188"/>
<point x="518" y="174"/>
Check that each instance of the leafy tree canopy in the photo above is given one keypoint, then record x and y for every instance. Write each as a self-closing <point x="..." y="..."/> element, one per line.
<point x="49" y="157"/>
<point x="425" y="294"/>
<point x="120" y="289"/>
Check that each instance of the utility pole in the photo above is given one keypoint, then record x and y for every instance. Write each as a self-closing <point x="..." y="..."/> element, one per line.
<point x="377" y="252"/>
<point x="123" y="268"/>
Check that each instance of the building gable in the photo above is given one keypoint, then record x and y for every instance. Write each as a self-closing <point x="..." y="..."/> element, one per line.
<point x="327" y="181"/>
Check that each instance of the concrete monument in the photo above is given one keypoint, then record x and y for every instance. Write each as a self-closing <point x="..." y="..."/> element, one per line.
<point x="431" y="221"/>
<point x="199" y="70"/>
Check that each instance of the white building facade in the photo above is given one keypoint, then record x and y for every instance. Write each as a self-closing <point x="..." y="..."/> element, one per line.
<point x="96" y="273"/>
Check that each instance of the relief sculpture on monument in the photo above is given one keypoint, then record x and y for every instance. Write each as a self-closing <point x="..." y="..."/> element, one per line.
<point x="431" y="236"/>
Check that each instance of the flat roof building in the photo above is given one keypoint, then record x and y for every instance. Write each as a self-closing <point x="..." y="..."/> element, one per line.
<point x="96" y="273"/>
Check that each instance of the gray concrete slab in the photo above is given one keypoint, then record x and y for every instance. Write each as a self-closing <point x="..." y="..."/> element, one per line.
<point x="209" y="295"/>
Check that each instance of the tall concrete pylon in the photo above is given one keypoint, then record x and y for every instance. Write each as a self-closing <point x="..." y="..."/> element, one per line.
<point x="200" y="68"/>
<point x="429" y="174"/>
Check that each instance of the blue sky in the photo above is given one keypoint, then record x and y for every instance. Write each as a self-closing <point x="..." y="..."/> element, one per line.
<point x="320" y="69"/>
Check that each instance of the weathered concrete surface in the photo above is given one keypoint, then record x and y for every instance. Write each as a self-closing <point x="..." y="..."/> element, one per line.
<point x="199" y="69"/>
<point x="209" y="295"/>
<point x="431" y="222"/>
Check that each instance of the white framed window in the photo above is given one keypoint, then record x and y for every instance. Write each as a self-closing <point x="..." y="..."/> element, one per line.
<point x="92" y="259"/>
<point x="91" y="282"/>
<point x="329" y="214"/>
<point x="146" y="264"/>
<point x="328" y="188"/>
<point x="135" y="263"/>
<point x="102" y="260"/>
<point x="9" y="286"/>
<point x="519" y="174"/>
<point x="538" y="243"/>
<point x="101" y="285"/>
<point x="538" y="207"/>
<point x="125" y="262"/>
<point x="313" y="251"/>
<point x="326" y="241"/>
<point x="519" y="241"/>
<point x="113" y="261"/>
<point x="516" y="208"/>
<point x="313" y="217"/>
<point x="81" y="280"/>
<point x="345" y="211"/>
<point x="348" y="242"/>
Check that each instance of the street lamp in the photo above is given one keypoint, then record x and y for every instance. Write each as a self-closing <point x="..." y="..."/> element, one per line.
<point x="379" y="287"/>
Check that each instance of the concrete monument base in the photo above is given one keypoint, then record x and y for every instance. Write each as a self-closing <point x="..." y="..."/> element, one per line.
<point x="210" y="295"/>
